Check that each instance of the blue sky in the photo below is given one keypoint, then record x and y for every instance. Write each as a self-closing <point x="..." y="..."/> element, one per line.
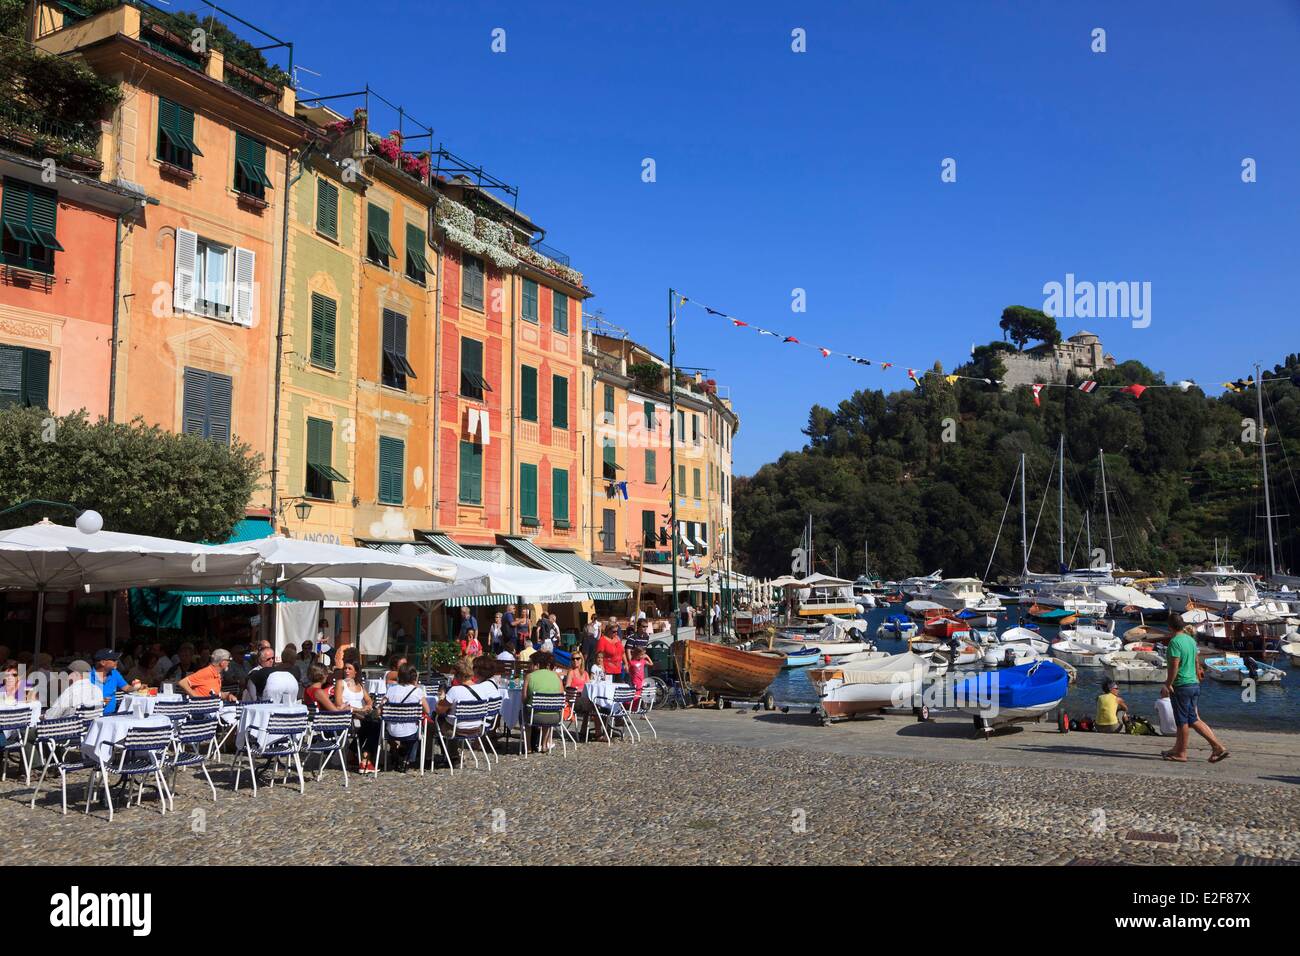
<point x="821" y="170"/>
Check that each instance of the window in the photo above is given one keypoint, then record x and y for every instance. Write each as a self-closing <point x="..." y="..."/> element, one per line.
<point x="320" y="455"/>
<point x="471" y="279"/>
<point x="696" y="483"/>
<point x="29" y="214"/>
<point x="528" y="495"/>
<point x="176" y="135"/>
<point x="560" y="497"/>
<point x="609" y="464"/>
<point x="681" y="426"/>
<point x="471" y="473"/>
<point x="681" y="480"/>
<point x="324" y="314"/>
<point x="702" y="536"/>
<point x="529" y="301"/>
<point x="213" y="279"/>
<point x="472" y="382"/>
<point x="250" y="166"/>
<point x="695" y="429"/>
<point x="205" y="405"/>
<point x="559" y="401"/>
<point x="392" y="466"/>
<point x="609" y="403"/>
<point x="648" y="529"/>
<point x="378" y="248"/>
<point x="416" y="263"/>
<point x="327" y="208"/>
<point x="24" y="377"/>
<point x="651" y="470"/>
<point x="650" y="424"/>
<point x="608" y="529"/>
<point x="396" y="369"/>
<point x="528" y="393"/>
<point x="560" y="312"/>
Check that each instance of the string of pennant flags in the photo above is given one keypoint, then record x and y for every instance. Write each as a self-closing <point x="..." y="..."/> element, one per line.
<point x="914" y="373"/>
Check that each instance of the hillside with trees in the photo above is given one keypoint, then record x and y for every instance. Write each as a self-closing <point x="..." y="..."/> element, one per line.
<point x="877" y="469"/>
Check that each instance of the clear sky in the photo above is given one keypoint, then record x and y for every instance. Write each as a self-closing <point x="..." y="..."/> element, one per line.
<point x="778" y="170"/>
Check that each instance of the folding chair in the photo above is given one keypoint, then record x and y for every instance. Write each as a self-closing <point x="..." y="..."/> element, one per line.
<point x="545" y="710"/>
<point x="281" y="742"/>
<point x="467" y="725"/>
<point x="392" y="713"/>
<point x="639" y="708"/>
<point x="329" y="737"/>
<point x="490" y="721"/>
<point x="57" y="745"/>
<point x="230" y="730"/>
<point x="142" y="753"/>
<point x="193" y="745"/>
<point x="14" y="724"/>
<point x="616" y="712"/>
<point x="173" y="710"/>
<point x="199" y="709"/>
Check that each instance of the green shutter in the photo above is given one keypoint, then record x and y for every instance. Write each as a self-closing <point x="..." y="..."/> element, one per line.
<point x="471" y="473"/>
<point x="681" y="480"/>
<point x="194" y="413"/>
<point x="650" y="416"/>
<point x="471" y="280"/>
<point x="651" y="470"/>
<point x="696" y="484"/>
<point x="560" y="495"/>
<point x="250" y="164"/>
<point x="176" y="126"/>
<point x="28" y="216"/>
<point x="471" y="368"/>
<point x="559" y="401"/>
<point x="377" y="229"/>
<point x="24" y="377"/>
<point x="392" y="465"/>
<point x="528" y="490"/>
<point x="324" y="315"/>
<point x="528" y="393"/>
<point x="11" y="375"/>
<point x="319" y="441"/>
<point x="648" y="528"/>
<point x="609" y="454"/>
<point x="560" y="312"/>
<point x="327" y="208"/>
<point x="44" y="217"/>
<point x="416" y="264"/>
<point x="530" y="301"/>
<point x="609" y="399"/>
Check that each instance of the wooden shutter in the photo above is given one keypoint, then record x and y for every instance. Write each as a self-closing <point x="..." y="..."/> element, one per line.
<point x="392" y="464"/>
<point x="327" y="208"/>
<point x="651" y="471"/>
<point x="185" y="281"/>
<point x="609" y="461"/>
<point x="219" y="396"/>
<point x="324" y="313"/>
<point x="695" y="475"/>
<point x="11" y="375"/>
<point x="559" y="494"/>
<point x="471" y="368"/>
<point x="528" y="393"/>
<point x="471" y="473"/>
<point x="530" y="300"/>
<point x="648" y="528"/>
<point x="320" y="438"/>
<point x="44" y="217"/>
<point x="559" y="401"/>
<point x="245" y="269"/>
<point x="36" y="378"/>
<point x="527" y="490"/>
<point x="194" y="412"/>
<point x="560" y="312"/>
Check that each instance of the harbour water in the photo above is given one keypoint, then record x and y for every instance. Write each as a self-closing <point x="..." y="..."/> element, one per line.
<point x="1276" y="707"/>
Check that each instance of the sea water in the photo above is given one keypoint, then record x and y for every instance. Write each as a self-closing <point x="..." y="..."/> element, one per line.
<point x="1275" y="707"/>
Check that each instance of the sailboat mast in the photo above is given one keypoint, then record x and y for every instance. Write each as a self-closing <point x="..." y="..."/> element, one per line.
<point x="1263" y="459"/>
<point x="1024" y="528"/>
<point x="1105" y="500"/>
<point x="1060" y="504"/>
<point x="1087" y="530"/>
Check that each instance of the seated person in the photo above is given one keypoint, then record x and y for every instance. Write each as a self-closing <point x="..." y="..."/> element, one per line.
<point x="507" y="650"/>
<point x="319" y="693"/>
<point x="12" y="689"/>
<point x="542" y="679"/>
<point x="81" y="693"/>
<point x="461" y="691"/>
<point x="256" y="684"/>
<point x="281" y="685"/>
<point x="206" y="681"/>
<point x="1112" y="712"/>
<point x="406" y="691"/>
<point x="394" y="666"/>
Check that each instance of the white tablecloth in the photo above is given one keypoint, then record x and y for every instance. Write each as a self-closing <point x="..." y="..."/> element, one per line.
<point x="106" y="731"/>
<point x="512" y="706"/>
<point x="142" y="705"/>
<point x="601" y="693"/>
<point x="257" y="716"/>
<point x="376" y="686"/>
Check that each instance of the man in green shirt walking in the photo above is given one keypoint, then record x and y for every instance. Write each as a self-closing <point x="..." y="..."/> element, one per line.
<point x="1183" y="686"/>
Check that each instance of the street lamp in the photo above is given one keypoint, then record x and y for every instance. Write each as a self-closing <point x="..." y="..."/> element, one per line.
<point x="88" y="521"/>
<point x="302" y="508"/>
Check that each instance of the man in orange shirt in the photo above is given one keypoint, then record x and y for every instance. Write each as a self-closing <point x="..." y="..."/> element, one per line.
<point x="206" y="681"/>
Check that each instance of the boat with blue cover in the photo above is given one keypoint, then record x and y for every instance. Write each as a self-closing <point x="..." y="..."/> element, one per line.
<point x="1015" y="693"/>
<point x="897" y="625"/>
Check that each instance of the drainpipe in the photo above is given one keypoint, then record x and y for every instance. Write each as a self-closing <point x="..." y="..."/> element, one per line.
<point x="279" y="327"/>
<point x="515" y="293"/>
<point x="117" y="291"/>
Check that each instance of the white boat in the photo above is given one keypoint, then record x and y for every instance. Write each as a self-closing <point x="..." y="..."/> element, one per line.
<point x="1025" y="637"/>
<point x="922" y="609"/>
<point x="966" y="654"/>
<point x="1135" y="667"/>
<point x="1233" y="669"/>
<point x="1076" y="596"/>
<point x="1009" y="655"/>
<point x="1293" y="652"/>
<point x="1223" y="589"/>
<point x="836" y="638"/>
<point x="897" y="626"/>
<point x="917" y="586"/>
<point x="867" y="687"/>
<point x="1092" y="638"/>
<point x="960" y="594"/>
<point x="1079" y="655"/>
<point x="1122" y="598"/>
<point x="821" y="594"/>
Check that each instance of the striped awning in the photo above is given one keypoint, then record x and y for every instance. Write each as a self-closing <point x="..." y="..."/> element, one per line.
<point x="439" y="543"/>
<point x="444" y="544"/>
<point x="594" y="582"/>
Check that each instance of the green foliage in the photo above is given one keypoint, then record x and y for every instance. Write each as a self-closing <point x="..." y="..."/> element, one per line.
<point x="60" y="99"/>
<point x="442" y="655"/>
<point x="877" y="468"/>
<point x="1022" y="325"/>
<point x="142" y="479"/>
<point x="648" y="376"/>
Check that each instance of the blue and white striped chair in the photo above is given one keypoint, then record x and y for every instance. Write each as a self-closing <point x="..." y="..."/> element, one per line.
<point x="328" y="738"/>
<point x="202" y="708"/>
<point x="14" y="724"/>
<point x="640" y="708"/>
<point x="232" y="715"/>
<point x="468" y="725"/>
<point x="193" y="745"/>
<point x="392" y="714"/>
<point x="281" y="742"/>
<point x="141" y="754"/>
<point x="173" y="710"/>
<point x="491" y="724"/>
<point x="544" y="711"/>
<point x="58" y="742"/>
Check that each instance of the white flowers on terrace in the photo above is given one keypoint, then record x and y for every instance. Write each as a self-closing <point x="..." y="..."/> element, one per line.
<point x="495" y="241"/>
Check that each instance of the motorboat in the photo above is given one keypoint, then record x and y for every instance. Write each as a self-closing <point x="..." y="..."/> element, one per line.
<point x="918" y="586"/>
<point x="1293" y="652"/>
<point x="1235" y="669"/>
<point x="1222" y="589"/>
<point x="897" y="626"/>
<point x="1062" y="617"/>
<point x="1025" y="636"/>
<point x="944" y="627"/>
<point x="1123" y="599"/>
<point x="868" y="687"/>
<point x="960" y="594"/>
<point x="1009" y="655"/>
<point x="983" y="636"/>
<point x="977" y="619"/>
<point x="1064" y="595"/>
<point x="922" y="609"/>
<point x="1080" y="655"/>
<point x="1135" y="667"/>
<point x="1025" y="692"/>
<point x="963" y="655"/>
<point x="821" y="594"/>
<point x="1094" y="638"/>
<point x="802" y="658"/>
<point x="836" y="638"/>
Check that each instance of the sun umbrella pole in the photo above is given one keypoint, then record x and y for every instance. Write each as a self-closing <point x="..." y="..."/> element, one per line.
<point x="40" y="618"/>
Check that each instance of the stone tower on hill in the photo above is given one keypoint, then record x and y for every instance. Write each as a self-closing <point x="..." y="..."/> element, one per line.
<point x="1081" y="355"/>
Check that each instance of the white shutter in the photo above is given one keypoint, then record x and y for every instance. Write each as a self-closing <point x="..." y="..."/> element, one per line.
<point x="245" y="264"/>
<point x="184" y="280"/>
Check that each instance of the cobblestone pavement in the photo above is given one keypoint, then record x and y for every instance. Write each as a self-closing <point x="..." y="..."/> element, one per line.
<point x="686" y="801"/>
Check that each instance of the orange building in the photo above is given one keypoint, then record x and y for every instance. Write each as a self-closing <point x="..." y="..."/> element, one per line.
<point x="200" y="271"/>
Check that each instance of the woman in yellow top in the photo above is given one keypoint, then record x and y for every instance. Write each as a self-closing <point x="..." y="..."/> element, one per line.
<point x="1109" y="707"/>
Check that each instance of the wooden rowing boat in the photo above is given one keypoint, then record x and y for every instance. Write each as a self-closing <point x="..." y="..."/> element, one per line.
<point x="718" y="669"/>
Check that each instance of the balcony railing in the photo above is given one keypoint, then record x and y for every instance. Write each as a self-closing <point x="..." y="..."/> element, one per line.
<point x="551" y="253"/>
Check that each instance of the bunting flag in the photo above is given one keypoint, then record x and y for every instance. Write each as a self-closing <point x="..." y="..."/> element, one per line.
<point x="826" y="353"/>
<point x="1088" y="386"/>
<point x="763" y="331"/>
<point x="1135" y="389"/>
<point x="791" y="338"/>
<point x="738" y="324"/>
<point x="1037" y="388"/>
<point x="911" y="373"/>
<point x="1185" y="385"/>
<point x="950" y="379"/>
<point x="885" y="365"/>
<point x="860" y="361"/>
